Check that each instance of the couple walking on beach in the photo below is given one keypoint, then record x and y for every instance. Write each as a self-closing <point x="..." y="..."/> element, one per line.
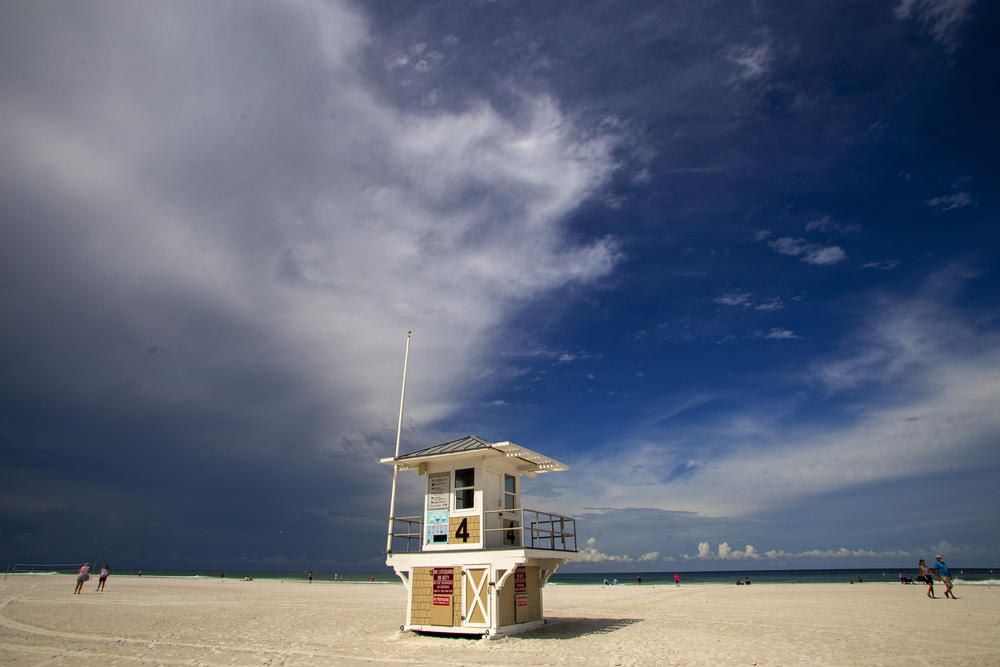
<point x="939" y="572"/>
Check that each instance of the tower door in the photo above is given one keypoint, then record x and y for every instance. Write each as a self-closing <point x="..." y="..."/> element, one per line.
<point x="475" y="596"/>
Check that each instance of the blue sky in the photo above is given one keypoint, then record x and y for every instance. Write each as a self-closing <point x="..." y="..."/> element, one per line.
<point x="734" y="262"/>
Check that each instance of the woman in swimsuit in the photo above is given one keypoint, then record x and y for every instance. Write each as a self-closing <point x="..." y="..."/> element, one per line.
<point x="928" y="577"/>
<point x="82" y="576"/>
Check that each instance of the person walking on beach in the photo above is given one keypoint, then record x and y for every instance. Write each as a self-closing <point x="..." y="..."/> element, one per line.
<point x="942" y="571"/>
<point x="310" y="576"/>
<point x="928" y="577"/>
<point x="82" y="576"/>
<point x="677" y="579"/>
<point x="103" y="579"/>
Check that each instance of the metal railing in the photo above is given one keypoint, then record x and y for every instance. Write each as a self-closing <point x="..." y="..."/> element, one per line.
<point x="411" y="531"/>
<point x="531" y="529"/>
<point x="504" y="529"/>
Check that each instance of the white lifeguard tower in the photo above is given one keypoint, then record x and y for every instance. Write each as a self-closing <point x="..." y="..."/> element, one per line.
<point x="476" y="561"/>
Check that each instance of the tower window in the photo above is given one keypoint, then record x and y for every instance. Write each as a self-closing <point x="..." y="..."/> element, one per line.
<point x="465" y="488"/>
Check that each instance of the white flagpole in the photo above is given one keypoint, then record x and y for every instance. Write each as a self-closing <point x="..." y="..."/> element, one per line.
<point x="399" y="431"/>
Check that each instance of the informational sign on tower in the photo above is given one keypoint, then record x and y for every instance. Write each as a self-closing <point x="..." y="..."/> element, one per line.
<point x="439" y="488"/>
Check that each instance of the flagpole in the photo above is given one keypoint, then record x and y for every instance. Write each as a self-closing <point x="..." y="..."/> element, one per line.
<point x="399" y="431"/>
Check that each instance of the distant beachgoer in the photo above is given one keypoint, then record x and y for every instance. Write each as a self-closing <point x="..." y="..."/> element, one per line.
<point x="739" y="582"/>
<point x="140" y="573"/>
<point x="103" y="579"/>
<point x="860" y="580"/>
<point x="639" y="580"/>
<point x="901" y="577"/>
<point x="373" y="578"/>
<point x="851" y="581"/>
<point x="310" y="576"/>
<point x="677" y="579"/>
<point x="614" y="582"/>
<point x="605" y="582"/>
<point x="222" y="575"/>
<point x="747" y="582"/>
<point x="942" y="571"/>
<point x="928" y="577"/>
<point x="82" y="576"/>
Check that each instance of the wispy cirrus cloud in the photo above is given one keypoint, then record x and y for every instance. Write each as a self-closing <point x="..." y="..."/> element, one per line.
<point x="776" y="333"/>
<point x="943" y="19"/>
<point x="810" y="253"/>
<point x="746" y="300"/>
<point x="958" y="199"/>
<point x="938" y="368"/>
<point x="884" y="266"/>
<point x="827" y="224"/>
<point x="752" y="62"/>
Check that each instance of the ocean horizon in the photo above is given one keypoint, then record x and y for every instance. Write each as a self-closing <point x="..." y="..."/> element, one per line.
<point x="961" y="576"/>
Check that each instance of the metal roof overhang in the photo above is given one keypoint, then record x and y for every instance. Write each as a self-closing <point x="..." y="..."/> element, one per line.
<point x="529" y="461"/>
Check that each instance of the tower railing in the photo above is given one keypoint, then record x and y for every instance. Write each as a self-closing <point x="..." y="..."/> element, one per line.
<point x="409" y="528"/>
<point x="517" y="528"/>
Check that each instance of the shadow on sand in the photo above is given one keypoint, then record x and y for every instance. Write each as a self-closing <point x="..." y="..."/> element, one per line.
<point x="570" y="628"/>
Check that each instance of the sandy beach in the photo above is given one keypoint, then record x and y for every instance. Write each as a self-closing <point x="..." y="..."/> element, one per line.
<point x="213" y="622"/>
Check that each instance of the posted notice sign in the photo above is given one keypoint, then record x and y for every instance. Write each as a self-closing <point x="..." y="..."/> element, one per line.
<point x="444" y="582"/>
<point x="442" y="600"/>
<point x="520" y="580"/>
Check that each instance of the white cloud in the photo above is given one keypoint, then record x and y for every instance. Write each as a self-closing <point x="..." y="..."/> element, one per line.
<point x="734" y="299"/>
<point x="771" y="304"/>
<point x="811" y="253"/>
<point x="776" y="333"/>
<point x="749" y="552"/>
<point x="649" y="557"/>
<point x="590" y="554"/>
<point x="950" y="202"/>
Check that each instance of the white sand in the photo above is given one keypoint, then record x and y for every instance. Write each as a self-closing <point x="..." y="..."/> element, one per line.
<point x="204" y="621"/>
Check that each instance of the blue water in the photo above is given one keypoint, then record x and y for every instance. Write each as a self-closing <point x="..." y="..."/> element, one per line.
<point x="839" y="576"/>
<point x="967" y="576"/>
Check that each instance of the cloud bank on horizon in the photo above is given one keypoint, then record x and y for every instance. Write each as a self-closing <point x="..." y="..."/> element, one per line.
<point x="639" y="240"/>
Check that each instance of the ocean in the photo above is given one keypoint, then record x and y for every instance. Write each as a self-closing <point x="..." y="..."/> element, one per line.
<point x="967" y="576"/>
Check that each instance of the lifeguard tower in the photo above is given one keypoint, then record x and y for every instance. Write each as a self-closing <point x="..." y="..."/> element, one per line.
<point x="476" y="561"/>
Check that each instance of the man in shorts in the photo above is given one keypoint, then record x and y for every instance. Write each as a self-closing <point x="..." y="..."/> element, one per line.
<point x="942" y="571"/>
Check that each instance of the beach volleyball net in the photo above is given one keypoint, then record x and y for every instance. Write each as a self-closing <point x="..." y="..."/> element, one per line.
<point x="42" y="568"/>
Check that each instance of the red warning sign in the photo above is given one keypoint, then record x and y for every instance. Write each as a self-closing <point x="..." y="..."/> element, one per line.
<point x="442" y="600"/>
<point x="444" y="581"/>
<point x="520" y="580"/>
<point x="522" y="600"/>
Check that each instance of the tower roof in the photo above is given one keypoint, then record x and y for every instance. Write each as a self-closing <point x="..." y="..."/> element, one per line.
<point x="530" y="461"/>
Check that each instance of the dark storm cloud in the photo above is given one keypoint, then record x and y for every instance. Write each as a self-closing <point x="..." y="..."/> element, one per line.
<point x="215" y="234"/>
